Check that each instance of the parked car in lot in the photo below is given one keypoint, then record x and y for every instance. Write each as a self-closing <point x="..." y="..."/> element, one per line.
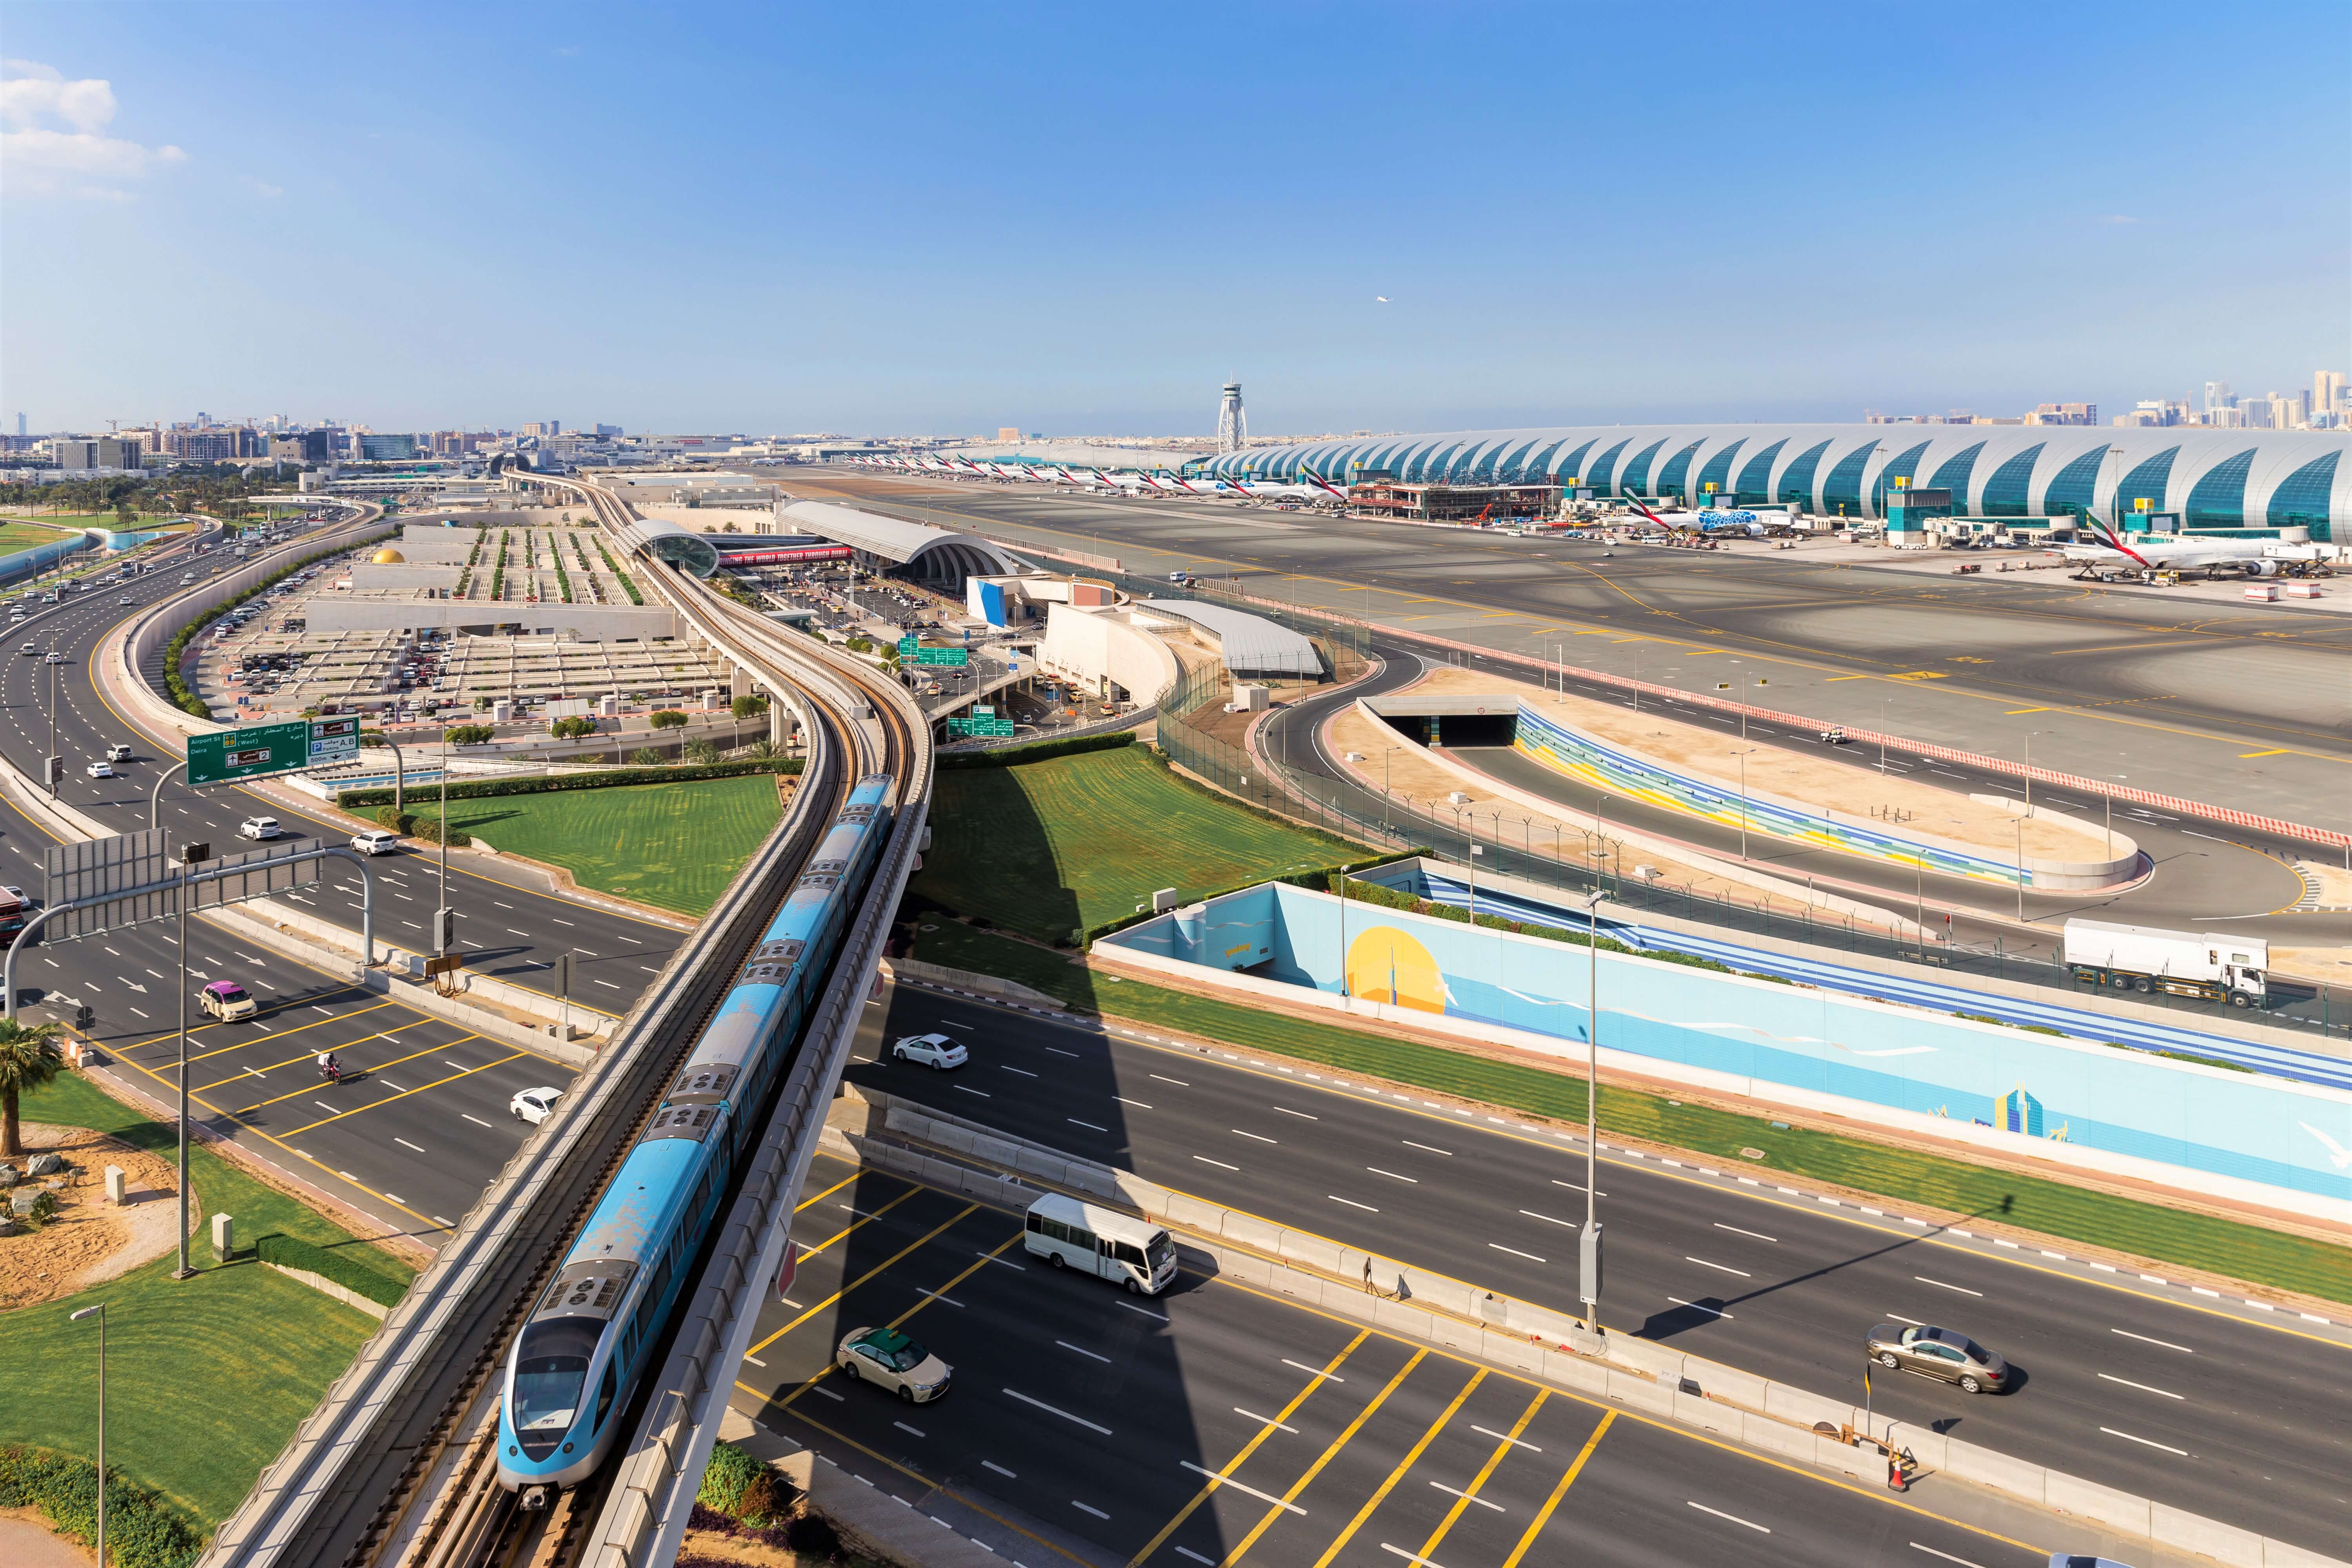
<point x="930" y="1051"/>
<point x="376" y="841"/>
<point x="534" y="1105"/>
<point x="1945" y="1353"/>
<point x="259" y="827"/>
<point x="887" y="1358"/>
<point x="228" y="1001"/>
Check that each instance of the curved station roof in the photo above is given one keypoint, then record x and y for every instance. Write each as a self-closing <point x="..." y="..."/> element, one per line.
<point x="1248" y="644"/>
<point x="932" y="553"/>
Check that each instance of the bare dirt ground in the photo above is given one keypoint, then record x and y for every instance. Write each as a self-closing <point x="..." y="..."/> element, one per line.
<point x="26" y="1541"/>
<point x="89" y="1242"/>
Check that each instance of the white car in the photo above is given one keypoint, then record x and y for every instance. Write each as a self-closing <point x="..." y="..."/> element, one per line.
<point x="887" y="1357"/>
<point x="534" y="1105"/>
<point x="259" y="827"/>
<point x="931" y="1051"/>
<point x="118" y="753"/>
<point x="378" y="842"/>
<point x="124" y="600"/>
<point x="54" y="658"/>
<point x="101" y="771"/>
<point x="29" y="650"/>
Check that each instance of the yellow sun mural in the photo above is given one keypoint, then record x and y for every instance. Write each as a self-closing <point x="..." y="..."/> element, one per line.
<point x="1384" y="964"/>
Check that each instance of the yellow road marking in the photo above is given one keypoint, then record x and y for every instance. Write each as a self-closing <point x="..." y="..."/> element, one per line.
<point x="405" y="1093"/>
<point x="273" y="1100"/>
<point x="1411" y="1457"/>
<point x="853" y="1284"/>
<point x="1325" y="1457"/>
<point x="1543" y="1514"/>
<point x="165" y="1039"/>
<point x="828" y="1192"/>
<point x="1250" y="1448"/>
<point x="860" y="1222"/>
<point x="831" y="1367"/>
<point x="305" y="1057"/>
<point x="1438" y="1537"/>
<point x="2014" y="712"/>
<point x="2277" y="754"/>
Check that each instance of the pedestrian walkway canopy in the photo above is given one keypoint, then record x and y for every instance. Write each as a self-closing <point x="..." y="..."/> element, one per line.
<point x="917" y="549"/>
<point x="681" y="548"/>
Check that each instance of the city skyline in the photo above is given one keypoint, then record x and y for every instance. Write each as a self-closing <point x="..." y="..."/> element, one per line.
<point x="927" y="222"/>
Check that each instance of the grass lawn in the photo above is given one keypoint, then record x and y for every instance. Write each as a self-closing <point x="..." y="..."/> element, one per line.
<point x="1047" y="847"/>
<point x="206" y="1378"/>
<point x="2054" y="1208"/>
<point x="15" y="535"/>
<point x="676" y="846"/>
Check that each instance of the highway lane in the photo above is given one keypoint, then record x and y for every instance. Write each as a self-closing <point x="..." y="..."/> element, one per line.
<point x="1083" y="1424"/>
<point x="2212" y="1411"/>
<point x="2123" y="683"/>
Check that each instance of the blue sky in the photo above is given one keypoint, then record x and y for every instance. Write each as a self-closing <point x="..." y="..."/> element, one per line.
<point x="1083" y="219"/>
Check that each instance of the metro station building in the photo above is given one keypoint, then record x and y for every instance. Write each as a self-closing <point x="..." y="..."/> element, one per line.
<point x="2209" y="478"/>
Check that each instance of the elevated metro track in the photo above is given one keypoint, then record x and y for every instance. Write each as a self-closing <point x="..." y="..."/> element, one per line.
<point x="397" y="1466"/>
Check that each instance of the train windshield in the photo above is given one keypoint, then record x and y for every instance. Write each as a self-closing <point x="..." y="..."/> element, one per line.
<point x="550" y="1372"/>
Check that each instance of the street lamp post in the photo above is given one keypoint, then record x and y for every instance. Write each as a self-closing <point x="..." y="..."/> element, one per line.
<point x="190" y="854"/>
<point x="1743" y="803"/>
<point x="99" y="1312"/>
<point x="1588" y="1241"/>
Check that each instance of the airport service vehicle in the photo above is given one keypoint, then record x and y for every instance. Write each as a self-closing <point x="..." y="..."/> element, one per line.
<point x="888" y="1358"/>
<point x="228" y="1001"/>
<point x="378" y="842"/>
<point x="2215" y="966"/>
<point x="533" y="1105"/>
<point x="931" y="1051"/>
<point x="12" y="911"/>
<point x="259" y="827"/>
<point x="100" y="769"/>
<point x="593" y="1332"/>
<point x="1068" y="1233"/>
<point x="1944" y="1353"/>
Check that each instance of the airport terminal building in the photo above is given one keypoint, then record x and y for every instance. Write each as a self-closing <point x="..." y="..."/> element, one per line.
<point x="2209" y="478"/>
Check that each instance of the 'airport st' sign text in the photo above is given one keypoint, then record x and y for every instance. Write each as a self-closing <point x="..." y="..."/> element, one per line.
<point x="257" y="750"/>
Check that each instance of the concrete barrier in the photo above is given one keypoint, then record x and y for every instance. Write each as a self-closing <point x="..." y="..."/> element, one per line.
<point x="1736" y="1404"/>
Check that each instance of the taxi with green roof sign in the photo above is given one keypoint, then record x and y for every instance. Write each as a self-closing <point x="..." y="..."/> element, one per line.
<point x="891" y="1360"/>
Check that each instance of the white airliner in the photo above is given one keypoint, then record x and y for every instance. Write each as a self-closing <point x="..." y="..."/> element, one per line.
<point x="1708" y="521"/>
<point x="2160" y="553"/>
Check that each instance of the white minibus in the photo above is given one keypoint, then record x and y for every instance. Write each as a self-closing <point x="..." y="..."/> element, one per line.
<point x="1068" y="1233"/>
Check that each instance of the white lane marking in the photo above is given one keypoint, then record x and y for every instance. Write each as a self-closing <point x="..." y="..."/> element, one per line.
<point x="1575" y="1187"/>
<point x="1265" y="1420"/>
<point x="2144" y="1442"/>
<point x="1218" y="1163"/>
<point x="1732" y="1516"/>
<point x="902" y="1426"/>
<point x="1431" y="1148"/>
<point x="1145" y="1310"/>
<point x="1695" y="1307"/>
<point x="1136" y="1103"/>
<point x="982" y="1092"/>
<point x="1940" y="1285"/>
<point x="1465" y="1496"/>
<point x="1179" y="1082"/>
<point x="1507" y="1437"/>
<point x="1078" y="1421"/>
<point x="755" y="1361"/>
<point x="2143" y="1387"/>
<point x="1081" y="1351"/>
<point x="1000" y="1469"/>
<point x="1901" y="1319"/>
<point x="1757" y="1233"/>
<point x="1060" y="1052"/>
<point x="476" y="1121"/>
<point x="1724" y="1268"/>
<point x="406" y="1145"/>
<point x="1946" y="1557"/>
<point x="943" y="1300"/>
<point x="2143" y="1339"/>
<point x="1515" y="1252"/>
<point x="1075" y="1122"/>
<point x="1025" y="1072"/>
<point x="1351" y="1202"/>
<point x="1548" y="1220"/>
<point x="1300" y="1114"/>
<point x="1376" y="1171"/>
<point x="1257" y="1137"/>
<point x="1314" y="1371"/>
<point x="1400" y="1551"/>
<point x="829" y="1394"/>
<point x="1188" y="1552"/>
<point x="1015" y="1267"/>
<point x="1247" y="1492"/>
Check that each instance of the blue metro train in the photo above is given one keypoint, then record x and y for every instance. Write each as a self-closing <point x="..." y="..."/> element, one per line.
<point x="584" y="1346"/>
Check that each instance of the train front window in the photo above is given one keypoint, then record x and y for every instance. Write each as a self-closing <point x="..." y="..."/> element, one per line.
<point x="551" y="1373"/>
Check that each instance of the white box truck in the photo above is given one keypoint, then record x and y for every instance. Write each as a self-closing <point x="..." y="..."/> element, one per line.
<point x="2214" y="966"/>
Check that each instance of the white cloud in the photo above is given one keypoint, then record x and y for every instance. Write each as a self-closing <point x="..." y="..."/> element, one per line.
<point x="2118" y="218"/>
<point x="262" y="187"/>
<point x="42" y="158"/>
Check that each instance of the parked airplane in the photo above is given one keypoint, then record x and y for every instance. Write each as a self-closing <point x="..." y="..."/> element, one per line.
<point x="1706" y="521"/>
<point x="2160" y="553"/>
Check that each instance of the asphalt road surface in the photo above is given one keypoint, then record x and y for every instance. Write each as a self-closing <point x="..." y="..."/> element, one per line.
<point x="2246" y="706"/>
<point x="415" y="1136"/>
<point x="2229" y="1413"/>
<point x="1083" y="1424"/>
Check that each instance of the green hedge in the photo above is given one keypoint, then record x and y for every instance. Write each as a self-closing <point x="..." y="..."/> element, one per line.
<point x="292" y="1252"/>
<point x="141" y="1530"/>
<point x="1039" y="752"/>
<point x="488" y="789"/>
<point x="177" y="648"/>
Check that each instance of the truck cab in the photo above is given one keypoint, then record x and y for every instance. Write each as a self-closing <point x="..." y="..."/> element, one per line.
<point x="2215" y="966"/>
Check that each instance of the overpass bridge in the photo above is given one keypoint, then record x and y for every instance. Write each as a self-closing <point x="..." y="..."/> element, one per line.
<point x="397" y="1466"/>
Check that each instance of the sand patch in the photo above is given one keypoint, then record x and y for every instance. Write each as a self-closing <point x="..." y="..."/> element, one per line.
<point x="28" y="1541"/>
<point x="90" y="1241"/>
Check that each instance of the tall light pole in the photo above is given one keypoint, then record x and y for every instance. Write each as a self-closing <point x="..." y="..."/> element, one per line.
<point x="1588" y="1241"/>
<point x="1743" y="802"/>
<point x="190" y="854"/>
<point x="100" y="1312"/>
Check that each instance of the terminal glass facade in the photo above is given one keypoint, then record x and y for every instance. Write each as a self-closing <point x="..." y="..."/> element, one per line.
<point x="2005" y="494"/>
<point x="2219" y="499"/>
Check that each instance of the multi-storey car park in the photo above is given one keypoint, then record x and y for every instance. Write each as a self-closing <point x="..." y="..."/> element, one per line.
<point x="2215" y="479"/>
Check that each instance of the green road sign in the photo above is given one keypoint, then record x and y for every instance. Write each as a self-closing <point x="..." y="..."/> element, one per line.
<point x="260" y="748"/>
<point x="908" y="644"/>
<point x="985" y="727"/>
<point x="951" y="656"/>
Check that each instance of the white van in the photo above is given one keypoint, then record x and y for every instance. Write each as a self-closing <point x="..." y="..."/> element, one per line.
<point x="1068" y="1233"/>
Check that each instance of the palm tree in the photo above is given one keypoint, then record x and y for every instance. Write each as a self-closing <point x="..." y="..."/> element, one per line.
<point x="28" y="1058"/>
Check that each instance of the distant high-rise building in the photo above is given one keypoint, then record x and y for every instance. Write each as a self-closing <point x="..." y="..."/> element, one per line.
<point x="386" y="448"/>
<point x="2327" y="395"/>
<point x="1008" y="433"/>
<point x="2065" y="413"/>
<point x="2217" y="396"/>
<point x="20" y="418"/>
<point x="1233" y="426"/>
